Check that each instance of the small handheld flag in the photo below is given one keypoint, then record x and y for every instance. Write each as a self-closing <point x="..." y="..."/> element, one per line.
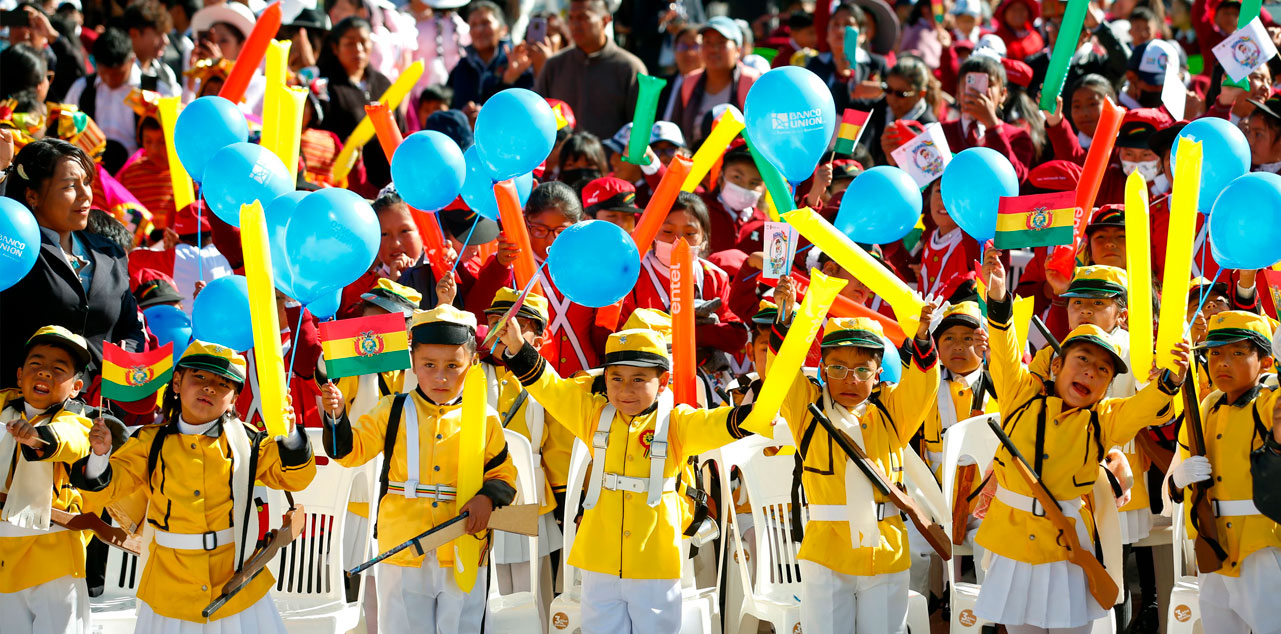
<point x="937" y="6"/>
<point x="133" y="376"/>
<point x="365" y="345"/>
<point x="1039" y="220"/>
<point x="852" y="123"/>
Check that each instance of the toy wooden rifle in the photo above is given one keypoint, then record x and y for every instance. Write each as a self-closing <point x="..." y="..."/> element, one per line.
<point x="933" y="532"/>
<point x="1209" y="553"/>
<point x="291" y="526"/>
<point x="108" y="534"/>
<point x="521" y="519"/>
<point x="1102" y="586"/>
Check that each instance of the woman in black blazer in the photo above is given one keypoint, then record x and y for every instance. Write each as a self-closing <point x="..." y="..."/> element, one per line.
<point x="80" y="280"/>
<point x="352" y="84"/>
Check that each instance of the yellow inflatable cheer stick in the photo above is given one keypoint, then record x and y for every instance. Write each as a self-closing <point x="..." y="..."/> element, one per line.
<point x="907" y="306"/>
<point x="183" y="193"/>
<point x="263" y="317"/>
<point x="471" y="458"/>
<point x="291" y="102"/>
<point x="277" y="68"/>
<point x="1138" y="263"/>
<point x="726" y="128"/>
<point x="364" y="131"/>
<point x="786" y="366"/>
<point x="1022" y="319"/>
<point x="1178" y="254"/>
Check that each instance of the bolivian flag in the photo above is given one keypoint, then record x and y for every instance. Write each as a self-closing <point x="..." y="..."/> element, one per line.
<point x="1039" y="220"/>
<point x="133" y="376"/>
<point x="365" y="345"/>
<point x="852" y="122"/>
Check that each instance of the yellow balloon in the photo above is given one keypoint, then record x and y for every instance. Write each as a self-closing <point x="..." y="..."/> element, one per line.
<point x="277" y="68"/>
<point x="364" y="131"/>
<point x="183" y="192"/>
<point x="712" y="148"/>
<point x="471" y="458"/>
<point x="786" y="366"/>
<point x="264" y="320"/>
<point x="907" y="306"/>
<point x="1138" y="263"/>
<point x="1178" y="253"/>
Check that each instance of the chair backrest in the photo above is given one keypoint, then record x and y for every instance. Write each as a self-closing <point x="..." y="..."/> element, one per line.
<point x="968" y="438"/>
<point x="580" y="458"/>
<point x="768" y="480"/>
<point x="522" y="455"/>
<point x="122" y="576"/>
<point x="1183" y="548"/>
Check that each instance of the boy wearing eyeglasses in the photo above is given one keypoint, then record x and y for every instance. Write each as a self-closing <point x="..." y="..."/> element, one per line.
<point x="854" y="554"/>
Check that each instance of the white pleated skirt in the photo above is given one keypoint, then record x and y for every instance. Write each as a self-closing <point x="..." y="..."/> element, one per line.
<point x="1052" y="595"/>
<point x="259" y="618"/>
<point x="1135" y="525"/>
<point x="510" y="548"/>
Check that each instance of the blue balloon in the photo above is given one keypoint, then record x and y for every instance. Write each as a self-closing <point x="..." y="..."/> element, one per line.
<point x="478" y="191"/>
<point x="1225" y="156"/>
<point x="277" y="216"/>
<point x="19" y="241"/>
<point x="790" y="119"/>
<point x="242" y="173"/>
<point x="170" y="325"/>
<point x="515" y="130"/>
<point x="973" y="183"/>
<point x="205" y="126"/>
<point x="594" y="263"/>
<point x="331" y="240"/>
<point x="891" y="362"/>
<point x="221" y="313"/>
<point x="880" y="206"/>
<point x="327" y="306"/>
<point x="428" y="170"/>
<point x="1245" y="227"/>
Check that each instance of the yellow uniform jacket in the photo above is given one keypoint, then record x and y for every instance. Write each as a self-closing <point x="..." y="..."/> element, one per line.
<point x="1067" y="451"/>
<point x="190" y="493"/>
<point x="622" y="535"/>
<point x="400" y="517"/>
<point x="555" y="441"/>
<point x="391" y="382"/>
<point x="30" y="561"/>
<point x="1231" y="432"/>
<point x="890" y="418"/>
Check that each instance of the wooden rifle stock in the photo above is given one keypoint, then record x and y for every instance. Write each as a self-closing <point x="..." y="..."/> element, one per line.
<point x="933" y="532"/>
<point x="290" y="528"/>
<point x="1209" y="553"/>
<point x="1102" y="587"/>
<point x="108" y="534"/>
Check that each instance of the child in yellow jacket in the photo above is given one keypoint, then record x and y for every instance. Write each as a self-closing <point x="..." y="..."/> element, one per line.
<point x="419" y="435"/>
<point x="199" y="469"/>
<point x="1064" y="423"/>
<point x="629" y="542"/>
<point x="42" y="565"/>
<point x="1239" y="417"/>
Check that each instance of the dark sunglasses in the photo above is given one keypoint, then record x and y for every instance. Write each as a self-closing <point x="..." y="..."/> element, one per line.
<point x="902" y="94"/>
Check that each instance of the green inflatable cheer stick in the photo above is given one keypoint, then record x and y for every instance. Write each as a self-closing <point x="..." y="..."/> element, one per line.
<point x="643" y="118"/>
<point x="777" y="186"/>
<point x="1064" y="48"/>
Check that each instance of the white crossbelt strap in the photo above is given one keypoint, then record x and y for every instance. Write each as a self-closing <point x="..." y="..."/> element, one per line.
<point x="241" y="479"/>
<point x="535" y="422"/>
<point x="1029" y="504"/>
<point x="1234" y="508"/>
<point x="560" y="318"/>
<point x="955" y="238"/>
<point x="655" y="485"/>
<point x="861" y="510"/>
<point x="194" y="541"/>
<point x="491" y="380"/>
<point x="411" y="448"/>
<point x="651" y="265"/>
<point x="30" y="501"/>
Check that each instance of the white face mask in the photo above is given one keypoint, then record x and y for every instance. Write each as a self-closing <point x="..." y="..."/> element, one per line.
<point x="663" y="251"/>
<point x="1149" y="169"/>
<point x="739" y="198"/>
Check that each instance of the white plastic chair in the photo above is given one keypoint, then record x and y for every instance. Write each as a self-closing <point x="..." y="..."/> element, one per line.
<point x="970" y="437"/>
<point x="310" y="590"/>
<point x="519" y="611"/>
<point x="113" y="612"/>
<point x="1184" y="616"/>
<point x="566" y="613"/>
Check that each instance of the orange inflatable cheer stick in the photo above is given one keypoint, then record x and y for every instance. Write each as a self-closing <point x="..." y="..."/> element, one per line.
<point x="684" y="379"/>
<point x="1063" y="258"/>
<point x="252" y="53"/>
<point x="656" y="211"/>
<point x="513" y="219"/>
<point x="389" y="137"/>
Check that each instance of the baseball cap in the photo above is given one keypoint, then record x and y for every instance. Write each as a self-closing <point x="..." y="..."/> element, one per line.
<point x="610" y="194"/>
<point x="726" y="27"/>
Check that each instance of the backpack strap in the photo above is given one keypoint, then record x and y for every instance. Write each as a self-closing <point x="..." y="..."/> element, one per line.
<point x="255" y="439"/>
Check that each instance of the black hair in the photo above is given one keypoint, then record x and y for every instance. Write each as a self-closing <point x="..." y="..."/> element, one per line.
<point x="486" y="5"/>
<point x="799" y="20"/>
<point x="1142" y="13"/>
<point x="24" y="69"/>
<point x="693" y="205"/>
<point x="38" y="161"/>
<point x="387" y="199"/>
<point x="105" y="225"/>
<point x="737" y="156"/>
<point x="171" y="403"/>
<point x="585" y="145"/>
<point x="146" y="123"/>
<point x="189" y="7"/>
<point x="147" y="14"/>
<point x="878" y="355"/>
<point x="112" y="49"/>
<point x="60" y="344"/>
<point x="1228" y="4"/>
<point x="436" y="92"/>
<point x="1020" y="107"/>
<point x="469" y="345"/>
<point x="555" y="195"/>
<point x="918" y="75"/>
<point x="854" y="10"/>
<point x="327" y="61"/>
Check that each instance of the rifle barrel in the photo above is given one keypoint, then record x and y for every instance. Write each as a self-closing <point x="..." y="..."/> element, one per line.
<point x="405" y="544"/>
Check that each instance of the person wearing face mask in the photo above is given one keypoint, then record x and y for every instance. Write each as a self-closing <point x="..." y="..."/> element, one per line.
<point x="1145" y="74"/>
<point x="582" y="159"/>
<point x="734" y="202"/>
<point x="1132" y="150"/>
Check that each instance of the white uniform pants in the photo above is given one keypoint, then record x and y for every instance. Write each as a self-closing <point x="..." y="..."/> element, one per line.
<point x="1232" y="605"/>
<point x="836" y="603"/>
<point x="612" y="605"/>
<point x="427" y="600"/>
<point x="1032" y="629"/>
<point x="60" y="606"/>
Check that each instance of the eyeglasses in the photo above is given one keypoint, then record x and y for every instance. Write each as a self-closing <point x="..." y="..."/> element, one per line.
<point x="862" y="373"/>
<point x="902" y="94"/>
<point x="542" y="231"/>
<point x="687" y="48"/>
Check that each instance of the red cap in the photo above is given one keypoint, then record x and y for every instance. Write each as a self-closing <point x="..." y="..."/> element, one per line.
<point x="610" y="194"/>
<point x="184" y="222"/>
<point x="1057" y="176"/>
<point x="563" y="113"/>
<point x="1017" y="72"/>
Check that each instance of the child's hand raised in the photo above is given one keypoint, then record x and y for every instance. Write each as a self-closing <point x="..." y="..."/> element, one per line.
<point x="994" y="271"/>
<point x="25" y="433"/>
<point x="927" y="316"/>
<point x="332" y="399"/>
<point x="100" y="438"/>
<point x="785" y="296"/>
<point x="1182" y="357"/>
<point x="446" y="290"/>
<point x="511" y="335"/>
<point x="980" y="342"/>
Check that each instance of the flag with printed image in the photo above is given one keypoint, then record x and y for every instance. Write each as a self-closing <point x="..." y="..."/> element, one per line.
<point x="1038" y="220"/>
<point x="925" y="155"/>
<point x="1246" y="50"/>
<point x="134" y="376"/>
<point x="365" y="345"/>
<point x="852" y="124"/>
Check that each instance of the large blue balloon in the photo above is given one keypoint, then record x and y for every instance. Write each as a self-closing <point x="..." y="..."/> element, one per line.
<point x="205" y="126"/>
<point x="478" y="191"/>
<point x="277" y="216"/>
<point x="240" y="174"/>
<point x="594" y="263"/>
<point x="1225" y="156"/>
<point x="331" y="240"/>
<point x="880" y="206"/>
<point x="790" y="118"/>
<point x="327" y="306"/>
<point x="1245" y="227"/>
<point x="515" y="130"/>
<point x="221" y="313"/>
<point x="19" y="241"/>
<point x="973" y="183"/>
<point x="170" y="325"/>
<point x="428" y="170"/>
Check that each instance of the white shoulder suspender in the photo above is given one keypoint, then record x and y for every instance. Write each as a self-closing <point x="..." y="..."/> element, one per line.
<point x="656" y="484"/>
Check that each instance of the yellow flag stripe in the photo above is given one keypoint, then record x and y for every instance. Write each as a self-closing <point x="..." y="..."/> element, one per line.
<point x="349" y="347"/>
<point x="1018" y="222"/>
<point x="117" y="374"/>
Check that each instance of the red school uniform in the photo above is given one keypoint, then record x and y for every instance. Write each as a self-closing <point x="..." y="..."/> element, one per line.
<point x="710" y="282"/>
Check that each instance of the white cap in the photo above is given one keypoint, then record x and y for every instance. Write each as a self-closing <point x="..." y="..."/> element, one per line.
<point x="233" y="13"/>
<point x="666" y="131"/>
<point x="990" y="45"/>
